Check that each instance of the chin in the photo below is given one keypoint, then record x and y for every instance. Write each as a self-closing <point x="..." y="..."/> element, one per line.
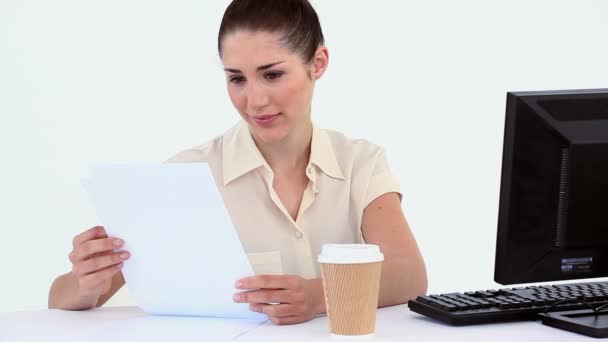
<point x="269" y="135"/>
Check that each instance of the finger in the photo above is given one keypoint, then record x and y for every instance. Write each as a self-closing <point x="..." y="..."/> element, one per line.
<point x="96" y="279"/>
<point x="91" y="247"/>
<point x="267" y="296"/>
<point x="94" y="255"/>
<point x="89" y="234"/>
<point x="108" y="252"/>
<point x="275" y="310"/>
<point x="269" y="282"/>
<point x="288" y="320"/>
<point x="95" y="264"/>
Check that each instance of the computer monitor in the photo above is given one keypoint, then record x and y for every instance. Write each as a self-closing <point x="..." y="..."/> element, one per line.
<point x="553" y="213"/>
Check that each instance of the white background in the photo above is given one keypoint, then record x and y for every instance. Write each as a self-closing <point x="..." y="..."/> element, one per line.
<point x="130" y="81"/>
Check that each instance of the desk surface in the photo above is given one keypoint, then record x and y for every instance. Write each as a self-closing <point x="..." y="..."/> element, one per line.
<point x="131" y="324"/>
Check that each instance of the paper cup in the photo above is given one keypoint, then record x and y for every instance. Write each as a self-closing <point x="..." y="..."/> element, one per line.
<point x="351" y="284"/>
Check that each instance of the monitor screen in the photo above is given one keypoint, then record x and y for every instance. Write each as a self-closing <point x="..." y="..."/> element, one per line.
<point x="553" y="212"/>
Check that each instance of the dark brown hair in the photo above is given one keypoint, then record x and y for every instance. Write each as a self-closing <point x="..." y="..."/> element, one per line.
<point x="295" y="19"/>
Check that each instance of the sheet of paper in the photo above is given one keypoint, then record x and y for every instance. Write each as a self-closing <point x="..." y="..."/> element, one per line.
<point x="185" y="252"/>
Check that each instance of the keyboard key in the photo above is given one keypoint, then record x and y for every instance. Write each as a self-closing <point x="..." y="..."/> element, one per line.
<point x="505" y="305"/>
<point x="424" y="299"/>
<point x="443" y="305"/>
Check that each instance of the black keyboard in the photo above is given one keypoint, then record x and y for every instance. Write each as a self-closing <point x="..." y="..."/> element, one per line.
<point x="509" y="304"/>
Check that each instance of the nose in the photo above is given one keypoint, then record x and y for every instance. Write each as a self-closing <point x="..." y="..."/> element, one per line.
<point x="257" y="97"/>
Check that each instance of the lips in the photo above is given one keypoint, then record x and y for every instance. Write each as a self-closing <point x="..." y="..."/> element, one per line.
<point x="265" y="116"/>
<point x="265" y="119"/>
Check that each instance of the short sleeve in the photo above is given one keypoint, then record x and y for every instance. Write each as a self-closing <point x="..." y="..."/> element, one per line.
<point x="382" y="181"/>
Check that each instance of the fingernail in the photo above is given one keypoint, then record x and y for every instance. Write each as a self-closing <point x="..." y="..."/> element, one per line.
<point x="236" y="297"/>
<point x="238" y="284"/>
<point x="253" y="307"/>
<point x="124" y="255"/>
<point x="117" y="242"/>
<point x="119" y="265"/>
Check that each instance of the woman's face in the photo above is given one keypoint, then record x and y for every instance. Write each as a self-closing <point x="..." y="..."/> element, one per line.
<point x="269" y="85"/>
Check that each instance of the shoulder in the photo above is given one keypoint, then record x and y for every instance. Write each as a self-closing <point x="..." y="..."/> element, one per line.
<point x="197" y="154"/>
<point x="210" y="152"/>
<point x="203" y="153"/>
<point x="355" y="150"/>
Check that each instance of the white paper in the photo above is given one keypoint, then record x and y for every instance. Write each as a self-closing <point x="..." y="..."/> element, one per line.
<point x="185" y="253"/>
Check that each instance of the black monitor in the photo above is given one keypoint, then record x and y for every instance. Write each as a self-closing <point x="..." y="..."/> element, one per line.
<point x="553" y="214"/>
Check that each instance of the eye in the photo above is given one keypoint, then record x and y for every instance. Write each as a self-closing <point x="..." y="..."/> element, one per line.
<point x="273" y="75"/>
<point x="237" y="79"/>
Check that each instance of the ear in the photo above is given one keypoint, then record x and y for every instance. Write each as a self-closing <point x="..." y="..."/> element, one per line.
<point x="319" y="62"/>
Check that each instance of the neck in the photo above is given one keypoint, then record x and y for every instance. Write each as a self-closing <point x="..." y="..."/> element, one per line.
<point x="289" y="155"/>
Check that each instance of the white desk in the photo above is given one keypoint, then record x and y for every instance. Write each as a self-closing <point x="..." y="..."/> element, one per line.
<point x="130" y="324"/>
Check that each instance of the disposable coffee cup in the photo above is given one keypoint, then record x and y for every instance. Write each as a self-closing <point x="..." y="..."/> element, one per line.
<point x="351" y="284"/>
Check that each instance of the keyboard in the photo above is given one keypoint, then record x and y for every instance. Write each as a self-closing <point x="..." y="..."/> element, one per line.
<point x="509" y="304"/>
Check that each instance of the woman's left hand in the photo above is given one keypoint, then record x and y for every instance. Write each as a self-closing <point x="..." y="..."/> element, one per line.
<point x="298" y="300"/>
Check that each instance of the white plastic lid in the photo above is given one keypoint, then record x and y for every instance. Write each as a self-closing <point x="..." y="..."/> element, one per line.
<point x="350" y="254"/>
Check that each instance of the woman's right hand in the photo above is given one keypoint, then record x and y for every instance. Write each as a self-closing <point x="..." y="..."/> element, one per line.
<point x="95" y="261"/>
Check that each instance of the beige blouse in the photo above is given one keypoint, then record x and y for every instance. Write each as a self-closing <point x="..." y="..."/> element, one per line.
<point x="345" y="176"/>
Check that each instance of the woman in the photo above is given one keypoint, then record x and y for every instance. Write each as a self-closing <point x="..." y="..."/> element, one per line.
<point x="289" y="186"/>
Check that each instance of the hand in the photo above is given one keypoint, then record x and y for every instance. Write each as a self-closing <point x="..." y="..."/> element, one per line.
<point x="298" y="300"/>
<point x="94" y="261"/>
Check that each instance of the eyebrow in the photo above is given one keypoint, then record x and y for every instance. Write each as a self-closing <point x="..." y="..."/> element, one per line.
<point x="260" y="68"/>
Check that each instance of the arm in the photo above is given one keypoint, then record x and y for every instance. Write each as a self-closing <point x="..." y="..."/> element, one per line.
<point x="403" y="271"/>
<point x="66" y="294"/>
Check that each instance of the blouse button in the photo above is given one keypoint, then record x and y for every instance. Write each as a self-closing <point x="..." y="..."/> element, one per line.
<point x="299" y="234"/>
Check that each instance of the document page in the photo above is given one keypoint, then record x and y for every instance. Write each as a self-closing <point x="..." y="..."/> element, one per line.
<point x="185" y="252"/>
